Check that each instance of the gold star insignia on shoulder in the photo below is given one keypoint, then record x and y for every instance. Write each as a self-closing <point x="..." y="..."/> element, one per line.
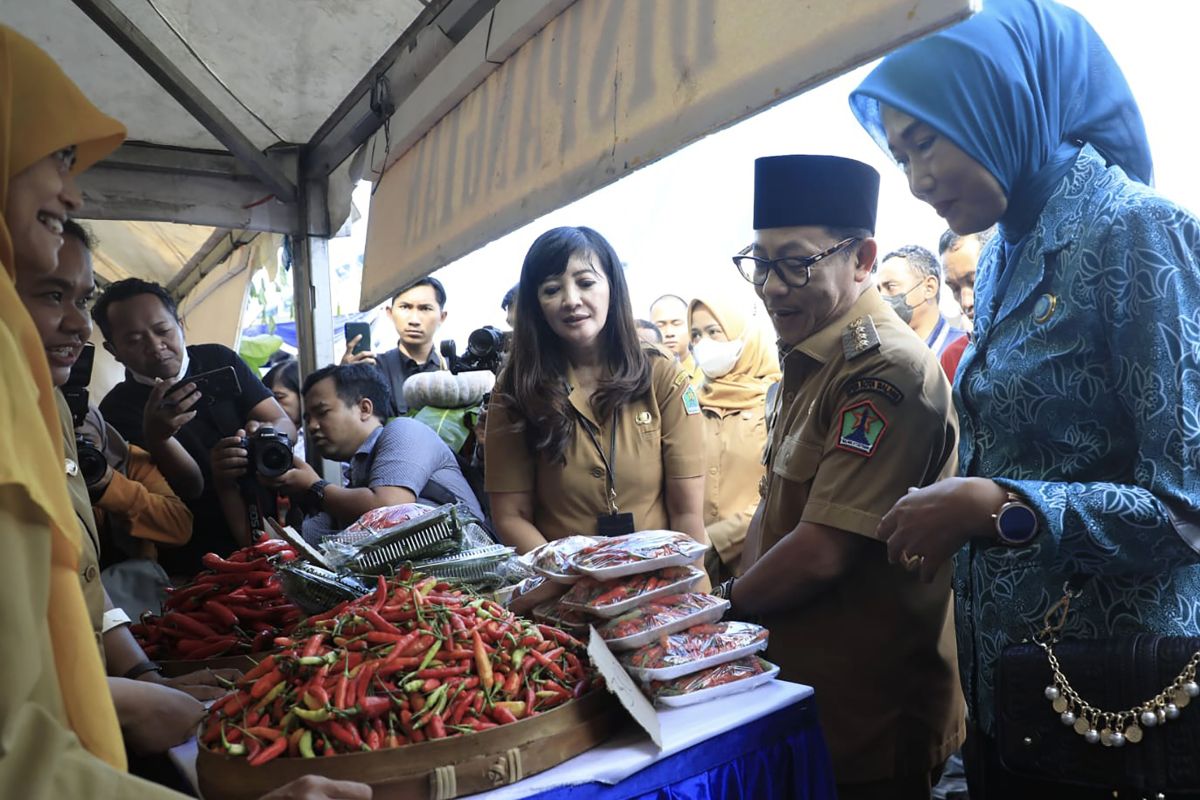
<point x="860" y="337"/>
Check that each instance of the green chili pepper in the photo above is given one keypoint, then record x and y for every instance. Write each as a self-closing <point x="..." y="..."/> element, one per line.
<point x="318" y="715"/>
<point x="306" y="745"/>
<point x="236" y="749"/>
<point x="429" y="654"/>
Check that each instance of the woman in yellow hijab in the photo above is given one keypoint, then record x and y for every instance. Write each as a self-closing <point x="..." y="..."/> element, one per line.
<point x="739" y="365"/>
<point x="58" y="729"/>
<point x="53" y="683"/>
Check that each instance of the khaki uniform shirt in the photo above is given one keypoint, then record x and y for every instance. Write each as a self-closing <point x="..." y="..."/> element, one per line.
<point x="733" y="451"/>
<point x="864" y="413"/>
<point x="659" y="436"/>
<point x="89" y="555"/>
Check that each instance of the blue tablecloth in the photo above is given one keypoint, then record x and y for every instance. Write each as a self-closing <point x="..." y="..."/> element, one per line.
<point x="781" y="756"/>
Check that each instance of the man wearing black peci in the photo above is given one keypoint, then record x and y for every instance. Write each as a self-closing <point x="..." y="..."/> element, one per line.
<point x="142" y="331"/>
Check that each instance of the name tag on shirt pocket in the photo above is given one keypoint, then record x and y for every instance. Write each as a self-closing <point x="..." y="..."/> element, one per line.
<point x="797" y="459"/>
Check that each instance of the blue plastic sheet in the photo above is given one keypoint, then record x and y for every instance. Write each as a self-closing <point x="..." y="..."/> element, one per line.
<point x="782" y="756"/>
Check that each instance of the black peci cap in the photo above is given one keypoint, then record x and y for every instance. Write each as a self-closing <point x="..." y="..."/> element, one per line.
<point x="830" y="191"/>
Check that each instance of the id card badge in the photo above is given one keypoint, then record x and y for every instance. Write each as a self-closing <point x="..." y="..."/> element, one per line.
<point x="614" y="524"/>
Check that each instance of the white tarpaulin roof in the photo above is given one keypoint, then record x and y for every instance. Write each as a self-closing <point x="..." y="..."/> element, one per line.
<point x="276" y="68"/>
<point x="222" y="100"/>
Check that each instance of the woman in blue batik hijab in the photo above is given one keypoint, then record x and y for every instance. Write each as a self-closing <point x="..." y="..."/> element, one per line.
<point x="1079" y="397"/>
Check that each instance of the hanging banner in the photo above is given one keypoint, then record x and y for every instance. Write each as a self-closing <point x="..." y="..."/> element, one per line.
<point x="606" y="87"/>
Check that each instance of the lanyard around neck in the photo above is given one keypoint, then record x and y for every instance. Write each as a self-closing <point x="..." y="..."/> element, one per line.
<point x="610" y="460"/>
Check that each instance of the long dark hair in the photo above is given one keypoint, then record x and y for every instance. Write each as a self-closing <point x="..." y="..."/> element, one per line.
<point x="533" y="383"/>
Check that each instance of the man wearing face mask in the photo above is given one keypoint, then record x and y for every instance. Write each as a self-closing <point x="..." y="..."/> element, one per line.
<point x="910" y="279"/>
<point x="739" y="365"/>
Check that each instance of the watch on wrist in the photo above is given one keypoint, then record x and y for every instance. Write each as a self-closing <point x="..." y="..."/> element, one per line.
<point x="314" y="496"/>
<point x="1016" y="522"/>
<point x="141" y="668"/>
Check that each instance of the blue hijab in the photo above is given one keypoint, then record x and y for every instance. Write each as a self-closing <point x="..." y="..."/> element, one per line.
<point x="1019" y="87"/>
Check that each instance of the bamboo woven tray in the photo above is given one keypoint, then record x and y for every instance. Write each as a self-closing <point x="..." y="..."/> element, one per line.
<point x="438" y="770"/>
<point x="245" y="662"/>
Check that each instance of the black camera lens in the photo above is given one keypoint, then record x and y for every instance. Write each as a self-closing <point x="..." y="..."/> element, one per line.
<point x="270" y="452"/>
<point x="484" y="341"/>
<point x="92" y="464"/>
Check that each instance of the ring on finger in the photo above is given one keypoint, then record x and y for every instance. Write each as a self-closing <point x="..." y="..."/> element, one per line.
<point x="911" y="562"/>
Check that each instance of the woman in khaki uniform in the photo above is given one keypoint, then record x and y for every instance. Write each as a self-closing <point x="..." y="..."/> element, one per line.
<point x="739" y="366"/>
<point x="589" y="431"/>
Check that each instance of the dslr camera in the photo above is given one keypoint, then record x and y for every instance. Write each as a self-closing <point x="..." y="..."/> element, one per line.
<point x="92" y="463"/>
<point x="485" y="349"/>
<point x="269" y="451"/>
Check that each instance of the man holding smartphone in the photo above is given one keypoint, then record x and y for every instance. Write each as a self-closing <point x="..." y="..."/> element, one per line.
<point x="159" y="408"/>
<point x="417" y="311"/>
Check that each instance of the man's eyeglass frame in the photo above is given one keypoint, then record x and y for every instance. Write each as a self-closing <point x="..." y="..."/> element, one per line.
<point x="748" y="266"/>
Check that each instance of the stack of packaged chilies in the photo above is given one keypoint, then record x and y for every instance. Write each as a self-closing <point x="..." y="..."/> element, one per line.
<point x="635" y="589"/>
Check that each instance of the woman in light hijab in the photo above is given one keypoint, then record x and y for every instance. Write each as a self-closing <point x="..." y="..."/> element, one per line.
<point x="57" y="722"/>
<point x="1078" y="396"/>
<point x="739" y="366"/>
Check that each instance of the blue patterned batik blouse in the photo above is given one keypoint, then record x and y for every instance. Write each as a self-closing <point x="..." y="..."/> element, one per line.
<point x="1081" y="393"/>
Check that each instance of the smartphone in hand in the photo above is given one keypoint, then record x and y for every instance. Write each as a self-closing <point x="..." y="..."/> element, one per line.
<point x="219" y="384"/>
<point x="359" y="329"/>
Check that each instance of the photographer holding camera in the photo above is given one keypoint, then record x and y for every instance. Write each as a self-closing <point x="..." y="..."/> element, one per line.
<point x="165" y="405"/>
<point x="402" y="461"/>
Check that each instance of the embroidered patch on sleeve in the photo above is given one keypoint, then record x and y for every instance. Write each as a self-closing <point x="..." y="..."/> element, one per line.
<point x="680" y="377"/>
<point x="862" y="427"/>
<point x="691" y="403"/>
<point x="875" y="386"/>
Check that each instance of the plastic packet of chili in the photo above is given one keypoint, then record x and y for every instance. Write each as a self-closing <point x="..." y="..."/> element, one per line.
<point x="634" y="553"/>
<point x="661" y="617"/>
<point x="553" y="559"/>
<point x="712" y="683"/>
<point x="613" y="598"/>
<point x="695" y="649"/>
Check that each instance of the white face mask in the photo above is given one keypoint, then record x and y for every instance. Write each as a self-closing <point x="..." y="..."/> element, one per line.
<point x="715" y="358"/>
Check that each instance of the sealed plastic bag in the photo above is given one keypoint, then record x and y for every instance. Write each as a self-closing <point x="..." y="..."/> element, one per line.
<point x="644" y="551"/>
<point x="695" y="649"/>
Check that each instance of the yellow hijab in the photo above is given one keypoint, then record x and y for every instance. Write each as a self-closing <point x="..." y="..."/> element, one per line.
<point x="41" y="112"/>
<point x="755" y="370"/>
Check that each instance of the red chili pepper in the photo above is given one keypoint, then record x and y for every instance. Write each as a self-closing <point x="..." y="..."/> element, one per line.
<point x="530" y="700"/>
<point x="213" y="648"/>
<point x="187" y="623"/>
<point x="215" y="562"/>
<point x="437" y="728"/>
<point x="313" y="645"/>
<point x="222" y="614"/>
<point x="346" y="734"/>
<point x="340" y="693"/>
<point x="555" y="669"/>
<point x="374" y="706"/>
<point x="265" y="684"/>
<point x="234" y="577"/>
<point x="381" y="590"/>
<point x="502" y="715"/>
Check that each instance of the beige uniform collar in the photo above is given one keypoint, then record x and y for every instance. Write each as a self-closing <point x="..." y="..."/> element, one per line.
<point x="578" y="399"/>
<point x="826" y="343"/>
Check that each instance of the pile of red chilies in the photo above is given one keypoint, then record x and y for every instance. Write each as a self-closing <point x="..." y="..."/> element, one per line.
<point x="415" y="660"/>
<point x="236" y="606"/>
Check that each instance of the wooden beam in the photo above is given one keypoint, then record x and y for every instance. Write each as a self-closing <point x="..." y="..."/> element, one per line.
<point x="158" y="66"/>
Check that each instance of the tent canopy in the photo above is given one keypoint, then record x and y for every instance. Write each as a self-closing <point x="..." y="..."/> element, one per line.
<point x="478" y="115"/>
